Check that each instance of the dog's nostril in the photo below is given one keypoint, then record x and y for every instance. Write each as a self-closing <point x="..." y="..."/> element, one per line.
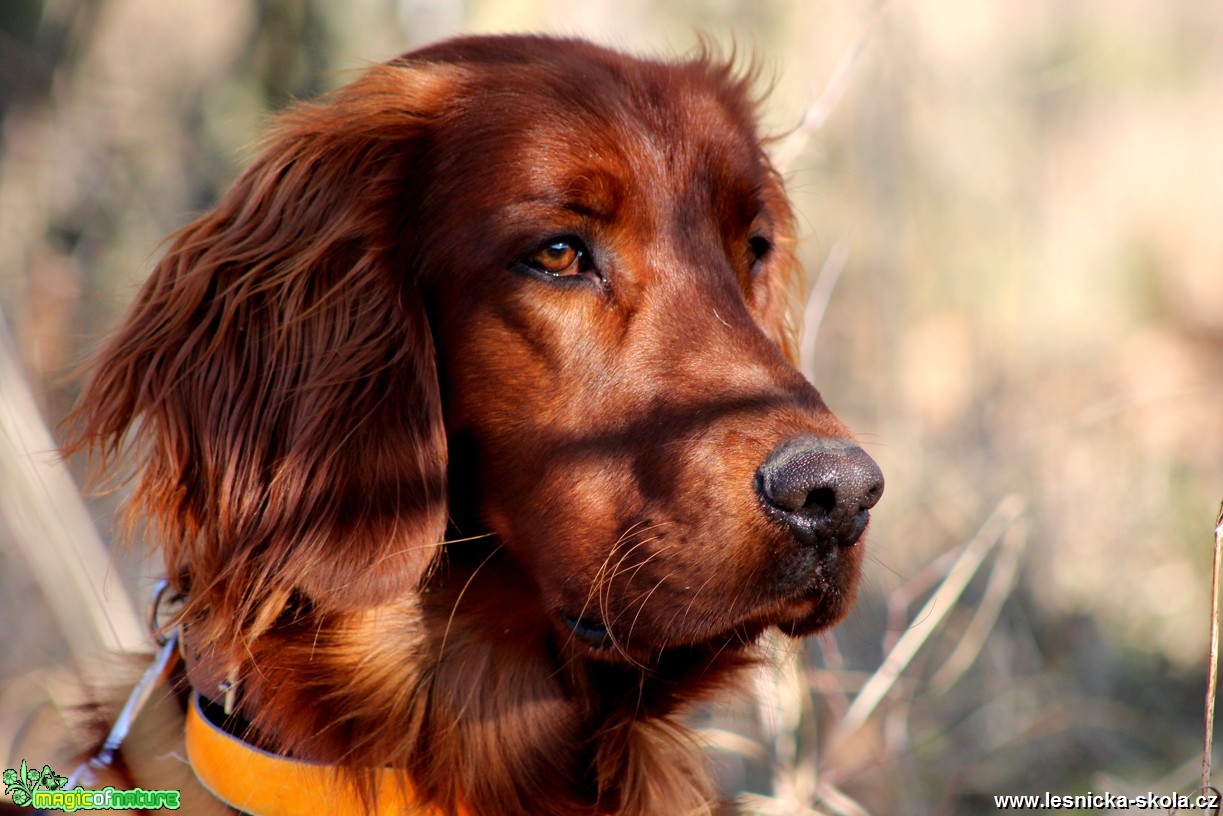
<point x="821" y="489"/>
<point x="821" y="499"/>
<point x="872" y="496"/>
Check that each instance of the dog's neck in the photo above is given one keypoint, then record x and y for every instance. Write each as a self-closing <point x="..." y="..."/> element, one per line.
<point x="428" y="685"/>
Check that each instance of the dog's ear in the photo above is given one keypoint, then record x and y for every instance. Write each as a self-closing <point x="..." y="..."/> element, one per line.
<point x="277" y="370"/>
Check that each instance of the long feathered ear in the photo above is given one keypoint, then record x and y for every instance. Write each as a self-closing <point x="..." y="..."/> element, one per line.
<point x="277" y="371"/>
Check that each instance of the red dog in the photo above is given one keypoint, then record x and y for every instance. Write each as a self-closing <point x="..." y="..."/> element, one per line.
<point x="469" y="426"/>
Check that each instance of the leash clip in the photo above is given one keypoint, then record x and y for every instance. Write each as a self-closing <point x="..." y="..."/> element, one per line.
<point x="167" y="645"/>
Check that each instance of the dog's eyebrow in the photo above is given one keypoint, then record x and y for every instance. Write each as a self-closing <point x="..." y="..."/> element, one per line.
<point x="594" y="193"/>
<point x="597" y="193"/>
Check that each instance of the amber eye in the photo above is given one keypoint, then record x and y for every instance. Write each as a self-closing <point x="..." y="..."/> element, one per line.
<point x="563" y="258"/>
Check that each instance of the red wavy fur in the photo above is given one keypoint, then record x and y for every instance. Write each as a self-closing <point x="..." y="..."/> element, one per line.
<point x="450" y="416"/>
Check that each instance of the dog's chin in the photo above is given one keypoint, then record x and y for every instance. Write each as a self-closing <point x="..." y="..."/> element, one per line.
<point x="809" y="618"/>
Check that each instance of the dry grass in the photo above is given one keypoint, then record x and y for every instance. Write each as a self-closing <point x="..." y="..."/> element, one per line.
<point x="1212" y="670"/>
<point x="1011" y="216"/>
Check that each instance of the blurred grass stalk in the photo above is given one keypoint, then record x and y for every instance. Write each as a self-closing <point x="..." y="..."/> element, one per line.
<point x="1212" y="669"/>
<point x="783" y="692"/>
<point x="52" y="530"/>
<point x="926" y="622"/>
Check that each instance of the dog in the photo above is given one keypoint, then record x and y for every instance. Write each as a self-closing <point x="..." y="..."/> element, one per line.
<point x="469" y="426"/>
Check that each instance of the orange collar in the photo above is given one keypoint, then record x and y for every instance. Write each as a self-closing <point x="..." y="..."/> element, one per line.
<point x="264" y="784"/>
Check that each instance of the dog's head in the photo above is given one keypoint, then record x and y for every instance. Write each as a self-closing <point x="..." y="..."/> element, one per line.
<point x="530" y="281"/>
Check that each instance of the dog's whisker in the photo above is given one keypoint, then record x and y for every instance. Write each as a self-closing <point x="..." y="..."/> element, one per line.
<point x="636" y="567"/>
<point x="454" y="608"/>
<point x="645" y="599"/>
<point x="693" y="596"/>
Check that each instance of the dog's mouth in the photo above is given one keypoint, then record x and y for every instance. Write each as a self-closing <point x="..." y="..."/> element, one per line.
<point x="592" y="634"/>
<point x="795" y="617"/>
<point x="815" y="592"/>
<point x="598" y="641"/>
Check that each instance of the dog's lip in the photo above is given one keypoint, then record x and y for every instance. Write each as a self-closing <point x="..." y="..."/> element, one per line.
<point x="782" y="613"/>
<point x="817" y="599"/>
<point x="597" y="638"/>
<point x="592" y="633"/>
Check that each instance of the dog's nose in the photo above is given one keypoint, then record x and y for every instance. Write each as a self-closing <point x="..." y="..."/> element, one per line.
<point x="820" y="488"/>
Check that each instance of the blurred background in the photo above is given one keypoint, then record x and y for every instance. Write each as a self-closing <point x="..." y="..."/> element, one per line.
<point x="1012" y="220"/>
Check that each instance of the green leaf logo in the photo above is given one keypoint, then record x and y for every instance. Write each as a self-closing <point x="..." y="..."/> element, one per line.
<point x="23" y="783"/>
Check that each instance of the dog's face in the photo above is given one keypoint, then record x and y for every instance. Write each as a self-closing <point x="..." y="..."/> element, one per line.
<point x="568" y="268"/>
<point x="607" y="278"/>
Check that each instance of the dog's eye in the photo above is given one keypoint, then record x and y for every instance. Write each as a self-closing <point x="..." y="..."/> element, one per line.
<point x="563" y="257"/>
<point x="758" y="248"/>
